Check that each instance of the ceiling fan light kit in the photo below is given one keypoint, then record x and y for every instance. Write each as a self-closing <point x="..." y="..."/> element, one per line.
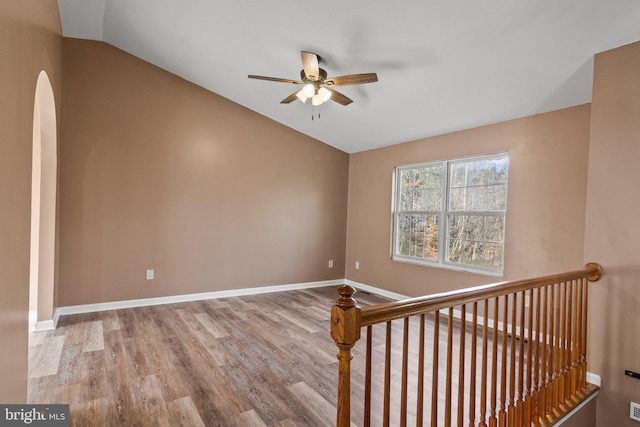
<point x="314" y="80"/>
<point x="309" y="90"/>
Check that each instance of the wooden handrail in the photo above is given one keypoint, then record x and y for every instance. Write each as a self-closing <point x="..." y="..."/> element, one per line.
<point x="409" y="307"/>
<point x="531" y="374"/>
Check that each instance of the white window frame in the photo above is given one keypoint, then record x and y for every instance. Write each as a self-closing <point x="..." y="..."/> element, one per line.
<point x="443" y="219"/>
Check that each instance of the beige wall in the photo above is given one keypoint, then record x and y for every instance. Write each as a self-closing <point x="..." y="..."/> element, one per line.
<point x="30" y="41"/>
<point x="612" y="231"/>
<point x="585" y="417"/>
<point x="157" y="173"/>
<point x="548" y="156"/>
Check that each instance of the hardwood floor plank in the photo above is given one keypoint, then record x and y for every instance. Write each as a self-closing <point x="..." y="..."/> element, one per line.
<point x="317" y="349"/>
<point x="213" y="393"/>
<point x="300" y="320"/>
<point x="92" y="378"/>
<point x="184" y="413"/>
<point x="37" y="338"/>
<point x="323" y="411"/>
<point x="45" y="390"/>
<point x="48" y="357"/>
<point x="151" y="404"/>
<point x="110" y="321"/>
<point x="94" y="337"/>
<point x="316" y="313"/>
<point x="200" y="334"/>
<point x="211" y="325"/>
<point x="250" y="419"/>
<point x="90" y="413"/>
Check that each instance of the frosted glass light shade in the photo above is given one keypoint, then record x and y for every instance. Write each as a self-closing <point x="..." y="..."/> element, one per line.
<point x="324" y="93"/>
<point x="301" y="96"/>
<point x="309" y="90"/>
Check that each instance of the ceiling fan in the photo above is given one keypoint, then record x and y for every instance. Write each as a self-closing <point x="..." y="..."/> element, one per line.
<point x="316" y="85"/>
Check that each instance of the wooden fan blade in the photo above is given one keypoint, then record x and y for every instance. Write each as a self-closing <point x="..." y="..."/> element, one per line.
<point x="352" y="79"/>
<point x="289" y="99"/>
<point x="275" y="79"/>
<point x="310" y="65"/>
<point x="339" y="98"/>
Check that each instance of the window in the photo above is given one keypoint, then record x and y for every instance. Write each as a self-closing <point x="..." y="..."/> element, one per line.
<point x="452" y="213"/>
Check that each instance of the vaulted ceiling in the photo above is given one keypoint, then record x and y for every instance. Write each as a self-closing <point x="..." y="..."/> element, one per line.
<point x="442" y="65"/>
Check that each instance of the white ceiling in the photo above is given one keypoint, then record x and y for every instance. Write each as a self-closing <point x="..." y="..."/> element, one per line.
<point x="442" y="65"/>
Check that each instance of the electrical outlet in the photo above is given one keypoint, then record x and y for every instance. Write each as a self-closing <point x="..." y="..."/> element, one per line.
<point x="149" y="274"/>
<point x="634" y="412"/>
<point x="357" y="265"/>
<point x="330" y="263"/>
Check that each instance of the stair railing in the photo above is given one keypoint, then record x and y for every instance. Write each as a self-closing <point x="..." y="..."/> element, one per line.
<point x="525" y="364"/>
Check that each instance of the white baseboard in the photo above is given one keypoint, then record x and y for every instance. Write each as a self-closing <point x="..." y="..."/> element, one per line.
<point x="44" y="325"/>
<point x="36" y="325"/>
<point x="117" y="305"/>
<point x="374" y="290"/>
<point x="594" y="379"/>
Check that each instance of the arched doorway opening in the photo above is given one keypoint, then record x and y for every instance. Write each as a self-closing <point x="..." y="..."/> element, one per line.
<point x="44" y="173"/>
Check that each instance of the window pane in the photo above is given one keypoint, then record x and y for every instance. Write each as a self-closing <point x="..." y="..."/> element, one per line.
<point x="431" y="248"/>
<point x="494" y="229"/>
<point x="478" y="173"/>
<point x="457" y="199"/>
<point x="465" y="252"/>
<point x="434" y="199"/>
<point x="477" y="199"/>
<point x="478" y="185"/>
<point x="466" y="227"/>
<point x="476" y="240"/>
<point x="468" y="252"/>
<point x="497" y="197"/>
<point x="434" y="176"/>
<point x="421" y="188"/>
<point x="499" y="169"/>
<point x="493" y="255"/>
<point x="459" y="172"/>
<point x="465" y="239"/>
<point x="410" y="192"/>
<point x="456" y="250"/>
<point x="417" y="235"/>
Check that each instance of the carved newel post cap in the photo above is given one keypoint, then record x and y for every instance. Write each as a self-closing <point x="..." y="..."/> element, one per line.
<point x="346" y="296"/>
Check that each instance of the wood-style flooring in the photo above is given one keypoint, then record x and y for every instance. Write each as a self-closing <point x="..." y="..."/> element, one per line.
<point x="259" y="360"/>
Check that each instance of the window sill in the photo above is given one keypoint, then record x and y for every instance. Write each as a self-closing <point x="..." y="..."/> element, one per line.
<point x="453" y="267"/>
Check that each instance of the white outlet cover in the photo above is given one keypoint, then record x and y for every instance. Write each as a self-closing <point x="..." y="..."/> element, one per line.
<point x="634" y="412"/>
<point x="149" y="274"/>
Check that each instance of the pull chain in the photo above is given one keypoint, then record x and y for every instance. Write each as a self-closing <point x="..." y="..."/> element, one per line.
<point x="313" y="112"/>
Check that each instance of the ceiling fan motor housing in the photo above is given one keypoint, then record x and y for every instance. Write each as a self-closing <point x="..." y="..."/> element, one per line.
<point x="321" y="78"/>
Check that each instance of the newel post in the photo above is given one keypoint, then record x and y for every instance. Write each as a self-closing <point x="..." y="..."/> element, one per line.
<point x="345" y="331"/>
